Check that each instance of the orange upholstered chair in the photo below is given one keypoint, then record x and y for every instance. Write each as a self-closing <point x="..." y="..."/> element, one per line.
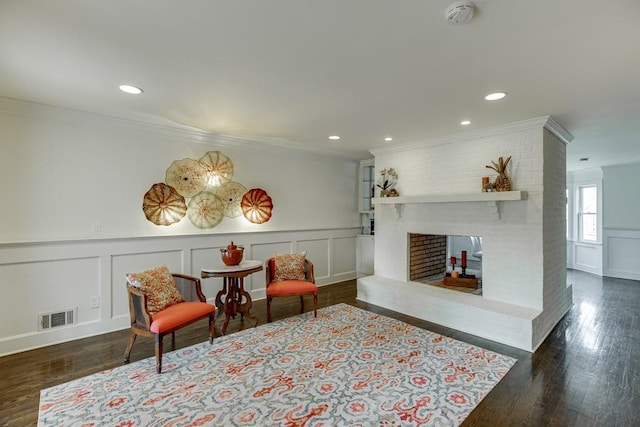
<point x="161" y="302"/>
<point x="300" y="284"/>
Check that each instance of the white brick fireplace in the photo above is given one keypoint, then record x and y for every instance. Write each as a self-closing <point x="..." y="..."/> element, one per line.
<point x="524" y="291"/>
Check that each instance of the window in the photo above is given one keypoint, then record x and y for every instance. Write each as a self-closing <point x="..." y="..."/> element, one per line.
<point x="588" y="213"/>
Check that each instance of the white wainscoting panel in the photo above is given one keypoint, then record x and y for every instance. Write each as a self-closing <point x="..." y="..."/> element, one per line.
<point x="47" y="285"/>
<point x="587" y="257"/>
<point x="41" y="277"/>
<point x="344" y="257"/>
<point x="318" y="251"/>
<point x="622" y="254"/>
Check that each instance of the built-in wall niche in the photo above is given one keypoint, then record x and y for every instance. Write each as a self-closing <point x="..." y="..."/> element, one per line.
<point x="431" y="256"/>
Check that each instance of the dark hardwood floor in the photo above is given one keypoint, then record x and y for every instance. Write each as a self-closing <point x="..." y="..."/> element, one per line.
<point x="586" y="373"/>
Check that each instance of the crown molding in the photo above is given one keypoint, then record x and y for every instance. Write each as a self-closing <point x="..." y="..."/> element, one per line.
<point x="546" y="122"/>
<point x="280" y="143"/>
<point x="558" y="130"/>
<point x="164" y="128"/>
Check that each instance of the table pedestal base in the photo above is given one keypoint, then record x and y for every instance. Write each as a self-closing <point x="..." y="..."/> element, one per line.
<point x="233" y="300"/>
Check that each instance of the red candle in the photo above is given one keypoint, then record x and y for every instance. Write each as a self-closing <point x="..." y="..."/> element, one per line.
<point x="453" y="260"/>
<point x="463" y="263"/>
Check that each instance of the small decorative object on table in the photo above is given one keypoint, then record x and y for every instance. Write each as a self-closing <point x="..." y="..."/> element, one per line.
<point x="389" y="178"/>
<point x="502" y="180"/>
<point x="485" y="184"/>
<point x="232" y="254"/>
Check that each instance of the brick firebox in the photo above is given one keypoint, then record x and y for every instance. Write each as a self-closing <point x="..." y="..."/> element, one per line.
<point x="427" y="255"/>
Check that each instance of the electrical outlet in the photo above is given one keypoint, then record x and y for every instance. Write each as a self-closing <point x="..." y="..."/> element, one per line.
<point x="96" y="227"/>
<point x="94" y="302"/>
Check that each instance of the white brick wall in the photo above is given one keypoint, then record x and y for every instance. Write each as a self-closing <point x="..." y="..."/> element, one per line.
<point x="557" y="297"/>
<point x="524" y="251"/>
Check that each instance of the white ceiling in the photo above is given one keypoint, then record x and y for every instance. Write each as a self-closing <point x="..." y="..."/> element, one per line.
<point x="297" y="71"/>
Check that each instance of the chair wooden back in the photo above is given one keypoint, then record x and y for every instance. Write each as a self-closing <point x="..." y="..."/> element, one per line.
<point x="190" y="289"/>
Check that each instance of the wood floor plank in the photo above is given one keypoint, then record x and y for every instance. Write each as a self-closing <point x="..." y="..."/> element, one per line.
<point x="586" y="373"/>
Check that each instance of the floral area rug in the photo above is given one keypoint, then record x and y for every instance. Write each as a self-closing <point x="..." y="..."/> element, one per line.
<point x="347" y="367"/>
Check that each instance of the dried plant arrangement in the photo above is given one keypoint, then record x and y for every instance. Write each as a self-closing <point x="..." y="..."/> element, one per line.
<point x="502" y="182"/>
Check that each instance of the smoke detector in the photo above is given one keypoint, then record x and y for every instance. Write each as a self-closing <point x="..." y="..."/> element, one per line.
<point x="460" y="12"/>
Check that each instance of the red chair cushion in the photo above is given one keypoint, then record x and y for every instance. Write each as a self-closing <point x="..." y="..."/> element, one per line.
<point x="287" y="287"/>
<point x="179" y="314"/>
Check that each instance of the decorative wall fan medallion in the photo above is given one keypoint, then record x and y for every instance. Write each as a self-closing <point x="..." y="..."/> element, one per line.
<point x="205" y="210"/>
<point x="231" y="194"/>
<point x="219" y="168"/>
<point x="162" y="205"/>
<point x="187" y="176"/>
<point x="256" y="206"/>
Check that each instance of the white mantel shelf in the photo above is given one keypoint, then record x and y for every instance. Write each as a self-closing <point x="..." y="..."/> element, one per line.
<point x="494" y="196"/>
<point x="491" y="197"/>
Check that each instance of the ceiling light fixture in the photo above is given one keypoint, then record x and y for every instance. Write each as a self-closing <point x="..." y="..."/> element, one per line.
<point x="133" y="90"/>
<point x="495" y="96"/>
<point x="465" y="122"/>
<point x="334" y="137"/>
<point x="388" y="139"/>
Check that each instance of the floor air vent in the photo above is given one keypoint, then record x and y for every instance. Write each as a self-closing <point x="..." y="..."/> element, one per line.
<point x="57" y="318"/>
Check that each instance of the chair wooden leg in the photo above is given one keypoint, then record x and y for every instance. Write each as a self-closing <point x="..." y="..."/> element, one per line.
<point x="212" y="327"/>
<point x="315" y="305"/>
<point x="269" y="309"/>
<point x="127" y="351"/>
<point x="158" y="338"/>
<point x="301" y="304"/>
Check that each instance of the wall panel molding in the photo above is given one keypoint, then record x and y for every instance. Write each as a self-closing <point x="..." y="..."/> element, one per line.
<point x="78" y="271"/>
<point x="587" y="257"/>
<point x="622" y="253"/>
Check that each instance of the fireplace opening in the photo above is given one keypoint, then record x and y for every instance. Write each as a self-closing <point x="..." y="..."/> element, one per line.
<point x="448" y="261"/>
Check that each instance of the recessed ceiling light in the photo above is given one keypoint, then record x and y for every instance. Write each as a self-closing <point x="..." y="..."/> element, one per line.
<point x="334" y="137"/>
<point x="133" y="90"/>
<point x="495" y="96"/>
<point x="388" y="139"/>
<point x="465" y="122"/>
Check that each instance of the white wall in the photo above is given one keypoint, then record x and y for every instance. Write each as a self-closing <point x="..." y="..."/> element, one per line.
<point x="556" y="296"/>
<point x="621" y="221"/>
<point x="621" y="197"/>
<point x="64" y="171"/>
<point x="617" y="250"/>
